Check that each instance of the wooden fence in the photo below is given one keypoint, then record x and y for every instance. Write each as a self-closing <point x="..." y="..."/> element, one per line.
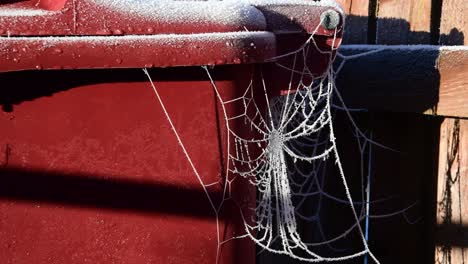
<point x="433" y="165"/>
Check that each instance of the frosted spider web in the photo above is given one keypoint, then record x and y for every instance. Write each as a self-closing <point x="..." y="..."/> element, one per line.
<point x="292" y="132"/>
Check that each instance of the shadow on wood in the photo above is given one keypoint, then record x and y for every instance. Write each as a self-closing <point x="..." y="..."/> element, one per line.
<point x="355" y="30"/>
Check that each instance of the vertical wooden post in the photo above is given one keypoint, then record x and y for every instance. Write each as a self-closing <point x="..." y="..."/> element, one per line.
<point x="404" y="22"/>
<point x="454" y="22"/>
<point x="345" y="4"/>
<point x="452" y="183"/>
<point x="357" y="20"/>
<point x="452" y="193"/>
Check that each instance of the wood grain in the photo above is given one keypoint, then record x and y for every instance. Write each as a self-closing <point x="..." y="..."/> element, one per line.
<point x="452" y="187"/>
<point x="453" y="92"/>
<point x="404" y="22"/>
<point x="345" y="4"/>
<point x="454" y="22"/>
<point x="452" y="193"/>
<point x="357" y="12"/>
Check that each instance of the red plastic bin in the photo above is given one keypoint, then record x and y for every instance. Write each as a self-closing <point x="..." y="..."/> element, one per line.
<point x="91" y="171"/>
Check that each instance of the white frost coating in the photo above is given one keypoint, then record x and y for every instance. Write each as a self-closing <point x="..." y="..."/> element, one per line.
<point x="405" y="47"/>
<point x="324" y="3"/>
<point x="219" y="12"/>
<point x="224" y="12"/>
<point x="453" y="48"/>
<point x="159" y="37"/>
<point x="23" y="12"/>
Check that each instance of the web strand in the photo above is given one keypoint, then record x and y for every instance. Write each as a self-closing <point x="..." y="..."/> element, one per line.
<point x="286" y="156"/>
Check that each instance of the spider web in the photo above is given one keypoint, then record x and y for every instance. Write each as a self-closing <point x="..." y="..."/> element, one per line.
<point x="282" y="150"/>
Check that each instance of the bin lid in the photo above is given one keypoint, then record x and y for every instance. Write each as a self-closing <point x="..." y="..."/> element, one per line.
<point x="75" y="34"/>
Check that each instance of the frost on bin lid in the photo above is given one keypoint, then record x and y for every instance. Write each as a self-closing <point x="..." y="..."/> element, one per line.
<point x="117" y="17"/>
<point x="288" y="16"/>
<point x="72" y="34"/>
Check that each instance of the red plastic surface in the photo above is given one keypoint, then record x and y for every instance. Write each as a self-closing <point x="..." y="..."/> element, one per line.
<point x="89" y="34"/>
<point x="91" y="171"/>
<point x="120" y="17"/>
<point x="91" y="18"/>
<point x="30" y="53"/>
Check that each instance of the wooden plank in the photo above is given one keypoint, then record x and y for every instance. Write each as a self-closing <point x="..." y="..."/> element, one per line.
<point x="452" y="187"/>
<point x="345" y="4"/>
<point x="452" y="193"/>
<point x="404" y="22"/>
<point x="454" y="22"/>
<point x="357" y="12"/>
<point x="422" y="79"/>
<point x="453" y="92"/>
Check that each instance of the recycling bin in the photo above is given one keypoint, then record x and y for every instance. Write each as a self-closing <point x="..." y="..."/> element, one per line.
<point x="91" y="170"/>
